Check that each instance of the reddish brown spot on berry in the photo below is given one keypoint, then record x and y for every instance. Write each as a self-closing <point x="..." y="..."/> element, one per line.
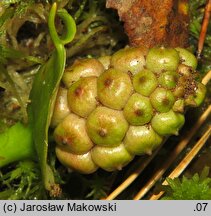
<point x="165" y="101"/>
<point x="139" y="112"/>
<point x="102" y="132"/>
<point x="79" y="91"/>
<point x="142" y="79"/>
<point x="108" y="82"/>
<point x="65" y="140"/>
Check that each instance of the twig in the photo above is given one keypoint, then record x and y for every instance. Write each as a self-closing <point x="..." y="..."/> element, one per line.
<point x="185" y="162"/>
<point x="206" y="78"/>
<point x="204" y="28"/>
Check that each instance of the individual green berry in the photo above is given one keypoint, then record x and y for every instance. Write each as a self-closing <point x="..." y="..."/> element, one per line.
<point x="185" y="70"/>
<point x="114" y="88"/>
<point x="162" y="100"/>
<point x="197" y="99"/>
<point x="82" y="95"/>
<point x="179" y="106"/>
<point x="106" y="127"/>
<point x="129" y="59"/>
<point x="200" y="94"/>
<point x="189" y="101"/>
<point x="82" y="163"/>
<point x="179" y="91"/>
<point x="105" y="61"/>
<point x="71" y="134"/>
<point x="162" y="59"/>
<point x="145" y="82"/>
<point x="61" y="108"/>
<point x="138" y="110"/>
<point x="187" y="57"/>
<point x="168" y="79"/>
<point x="111" y="158"/>
<point x="142" y="140"/>
<point x="167" y="123"/>
<point x="82" y="68"/>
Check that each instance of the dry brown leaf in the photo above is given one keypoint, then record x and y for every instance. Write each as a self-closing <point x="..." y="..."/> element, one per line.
<point x="154" y="22"/>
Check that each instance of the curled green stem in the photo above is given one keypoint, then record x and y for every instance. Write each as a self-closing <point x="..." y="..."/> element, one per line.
<point x="69" y="23"/>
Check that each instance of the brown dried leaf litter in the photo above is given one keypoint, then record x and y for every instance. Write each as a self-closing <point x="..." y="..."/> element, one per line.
<point x="154" y="22"/>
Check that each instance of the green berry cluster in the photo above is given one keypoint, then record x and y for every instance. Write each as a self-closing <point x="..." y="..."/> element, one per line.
<point x="115" y="107"/>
